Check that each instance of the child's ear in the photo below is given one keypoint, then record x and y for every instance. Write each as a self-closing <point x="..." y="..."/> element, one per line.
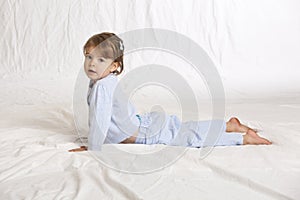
<point x="114" y="66"/>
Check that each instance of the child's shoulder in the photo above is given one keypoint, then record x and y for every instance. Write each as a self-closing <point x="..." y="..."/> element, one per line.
<point x="110" y="81"/>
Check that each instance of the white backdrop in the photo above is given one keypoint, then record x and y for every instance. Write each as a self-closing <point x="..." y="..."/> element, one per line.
<point x="255" y="44"/>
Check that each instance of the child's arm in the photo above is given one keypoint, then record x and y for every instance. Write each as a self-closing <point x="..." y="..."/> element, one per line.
<point x="100" y="112"/>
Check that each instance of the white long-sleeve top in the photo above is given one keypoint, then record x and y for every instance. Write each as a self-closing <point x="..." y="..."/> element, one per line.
<point x="112" y="118"/>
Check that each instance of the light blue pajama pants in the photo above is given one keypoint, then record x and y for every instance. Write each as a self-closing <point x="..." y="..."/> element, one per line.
<point x="190" y="134"/>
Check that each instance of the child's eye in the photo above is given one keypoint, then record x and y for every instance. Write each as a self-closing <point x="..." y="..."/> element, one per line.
<point x="88" y="56"/>
<point x="101" y="60"/>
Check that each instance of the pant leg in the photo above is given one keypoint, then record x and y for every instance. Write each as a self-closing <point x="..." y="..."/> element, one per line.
<point x="157" y="128"/>
<point x="230" y="139"/>
<point x="189" y="134"/>
<point x="206" y="133"/>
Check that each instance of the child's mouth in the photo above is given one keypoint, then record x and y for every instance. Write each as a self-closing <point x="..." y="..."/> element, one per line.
<point x="92" y="71"/>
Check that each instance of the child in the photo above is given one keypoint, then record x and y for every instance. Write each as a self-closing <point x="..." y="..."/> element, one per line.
<point x="114" y="120"/>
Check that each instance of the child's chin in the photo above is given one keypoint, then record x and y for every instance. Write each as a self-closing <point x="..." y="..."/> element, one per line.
<point x="93" y="76"/>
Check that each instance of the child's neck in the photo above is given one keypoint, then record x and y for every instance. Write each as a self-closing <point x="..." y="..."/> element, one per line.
<point x="94" y="81"/>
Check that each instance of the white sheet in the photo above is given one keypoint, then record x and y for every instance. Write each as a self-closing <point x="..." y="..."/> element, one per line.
<point x="35" y="163"/>
<point x="254" y="43"/>
<point x="255" y="46"/>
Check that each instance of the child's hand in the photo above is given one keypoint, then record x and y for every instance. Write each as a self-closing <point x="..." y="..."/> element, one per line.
<point x="82" y="148"/>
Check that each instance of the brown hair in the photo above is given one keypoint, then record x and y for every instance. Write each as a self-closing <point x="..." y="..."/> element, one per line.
<point x="111" y="46"/>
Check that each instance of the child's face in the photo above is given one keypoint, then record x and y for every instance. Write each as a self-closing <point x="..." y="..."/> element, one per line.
<point x="96" y="66"/>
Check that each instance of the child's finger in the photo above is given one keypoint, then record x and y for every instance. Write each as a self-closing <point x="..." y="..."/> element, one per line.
<point x="78" y="149"/>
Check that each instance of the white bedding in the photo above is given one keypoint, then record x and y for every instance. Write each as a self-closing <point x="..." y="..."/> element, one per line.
<point x="35" y="163"/>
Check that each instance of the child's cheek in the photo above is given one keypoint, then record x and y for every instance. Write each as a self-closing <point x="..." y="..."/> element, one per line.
<point x="100" y="71"/>
<point x="86" y="64"/>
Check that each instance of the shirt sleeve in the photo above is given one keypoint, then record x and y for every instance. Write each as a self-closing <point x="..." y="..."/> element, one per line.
<point x="100" y="112"/>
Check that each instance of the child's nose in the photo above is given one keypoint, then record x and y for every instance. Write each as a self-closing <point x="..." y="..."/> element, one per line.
<point x="92" y="63"/>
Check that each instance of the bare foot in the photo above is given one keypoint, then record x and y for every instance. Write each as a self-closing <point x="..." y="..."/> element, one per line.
<point x="251" y="137"/>
<point x="234" y="125"/>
